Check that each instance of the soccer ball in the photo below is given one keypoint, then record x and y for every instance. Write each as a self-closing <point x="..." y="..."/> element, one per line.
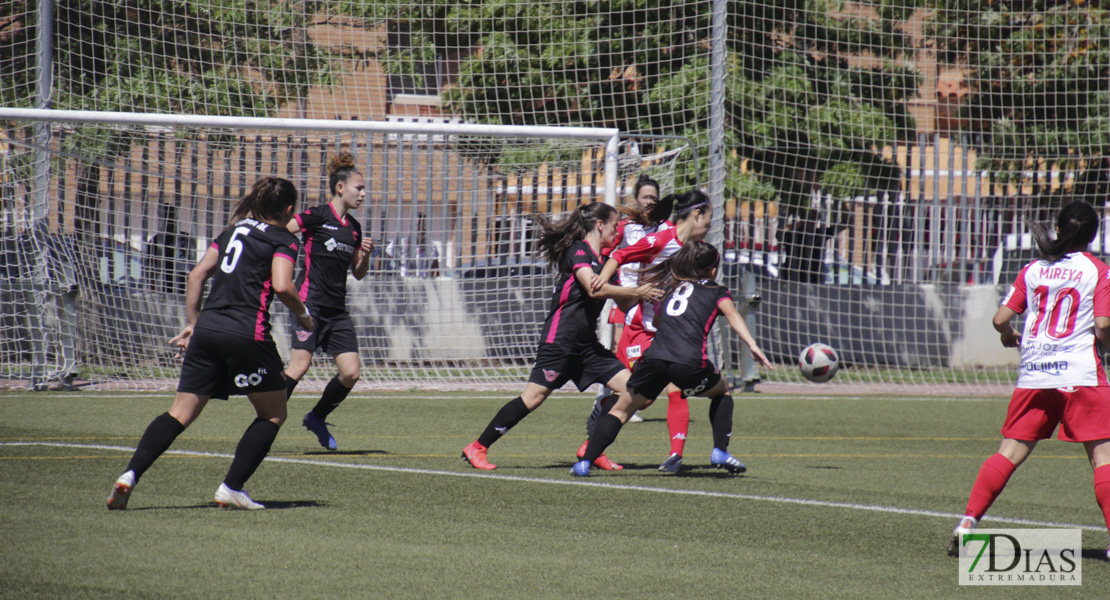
<point x="818" y="363"/>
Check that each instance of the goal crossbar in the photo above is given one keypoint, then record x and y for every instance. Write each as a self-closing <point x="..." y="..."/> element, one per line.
<point x="610" y="135"/>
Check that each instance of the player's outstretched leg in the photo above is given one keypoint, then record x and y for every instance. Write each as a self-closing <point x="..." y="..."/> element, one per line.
<point x="157" y="438"/>
<point x="966" y="525"/>
<point x="510" y="414"/>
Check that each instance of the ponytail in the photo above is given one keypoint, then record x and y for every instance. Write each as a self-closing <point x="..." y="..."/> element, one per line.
<point x="693" y="262"/>
<point x="1076" y="226"/>
<point x="267" y="201"/>
<point x="556" y="237"/>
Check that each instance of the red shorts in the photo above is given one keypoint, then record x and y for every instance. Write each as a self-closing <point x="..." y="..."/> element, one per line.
<point x="1083" y="414"/>
<point x="634" y="341"/>
<point x="616" y="315"/>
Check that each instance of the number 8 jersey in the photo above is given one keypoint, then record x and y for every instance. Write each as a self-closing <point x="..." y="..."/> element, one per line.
<point x="1058" y="347"/>
<point x="242" y="289"/>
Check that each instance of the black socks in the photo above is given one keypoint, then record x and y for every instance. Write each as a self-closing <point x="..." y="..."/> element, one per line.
<point x="161" y="432"/>
<point x="253" y="447"/>
<point x="503" y="421"/>
<point x="720" y="417"/>
<point x="333" y="396"/>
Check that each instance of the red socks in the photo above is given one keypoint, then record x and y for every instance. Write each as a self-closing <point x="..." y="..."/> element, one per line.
<point x="993" y="476"/>
<point x="1102" y="491"/>
<point x="678" y="420"/>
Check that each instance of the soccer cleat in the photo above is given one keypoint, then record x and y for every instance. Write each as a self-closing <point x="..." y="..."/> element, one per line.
<point x="320" y="428"/>
<point x="636" y="418"/>
<point x="966" y="525"/>
<point x="581" y="469"/>
<point x="229" y="498"/>
<point x="672" y="464"/>
<point x="121" y="491"/>
<point x="475" y="454"/>
<point x="724" y="460"/>
<point x="602" y="461"/>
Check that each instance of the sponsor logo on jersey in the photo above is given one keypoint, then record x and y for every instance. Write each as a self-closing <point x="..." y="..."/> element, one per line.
<point x="580" y="252"/>
<point x="330" y="227"/>
<point x="243" y="380"/>
<point x="1048" y="367"/>
<point x="634" y="351"/>
<point x="550" y="375"/>
<point x="651" y="239"/>
<point x="303" y="335"/>
<point x="333" y="245"/>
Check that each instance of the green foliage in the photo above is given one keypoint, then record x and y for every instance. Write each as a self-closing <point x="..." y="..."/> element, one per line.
<point x="1037" y="73"/>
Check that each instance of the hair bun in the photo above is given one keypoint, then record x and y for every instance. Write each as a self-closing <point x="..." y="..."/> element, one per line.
<point x="338" y="162"/>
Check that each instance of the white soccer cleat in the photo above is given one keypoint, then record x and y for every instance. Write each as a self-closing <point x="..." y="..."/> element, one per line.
<point x="636" y="418"/>
<point x="121" y="491"/>
<point x="967" y="525"/>
<point x="229" y="498"/>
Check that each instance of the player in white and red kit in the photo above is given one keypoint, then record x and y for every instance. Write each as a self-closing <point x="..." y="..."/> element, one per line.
<point x="677" y="355"/>
<point x="693" y="213"/>
<point x="333" y="246"/>
<point x="1061" y="380"/>
<point x="568" y="348"/>
<point x="227" y="346"/>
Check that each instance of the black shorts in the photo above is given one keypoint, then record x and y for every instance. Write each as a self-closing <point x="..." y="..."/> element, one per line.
<point x="219" y="364"/>
<point x="556" y="365"/>
<point x="651" y="375"/>
<point x="334" y="332"/>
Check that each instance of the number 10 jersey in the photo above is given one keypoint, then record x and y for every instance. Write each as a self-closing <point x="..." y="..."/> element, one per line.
<point x="1058" y="347"/>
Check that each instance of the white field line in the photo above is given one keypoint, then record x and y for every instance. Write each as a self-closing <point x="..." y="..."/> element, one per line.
<point x="593" y="484"/>
<point x="168" y="396"/>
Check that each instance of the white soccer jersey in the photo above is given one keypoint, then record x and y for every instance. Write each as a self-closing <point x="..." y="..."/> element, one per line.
<point x="1058" y="347"/>
<point x="630" y="233"/>
<point x="653" y="248"/>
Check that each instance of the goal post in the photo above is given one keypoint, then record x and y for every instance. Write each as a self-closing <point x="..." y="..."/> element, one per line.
<point x="455" y="294"/>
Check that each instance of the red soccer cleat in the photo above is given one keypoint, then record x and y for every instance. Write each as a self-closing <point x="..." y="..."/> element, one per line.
<point x="475" y="454"/>
<point x="602" y="461"/>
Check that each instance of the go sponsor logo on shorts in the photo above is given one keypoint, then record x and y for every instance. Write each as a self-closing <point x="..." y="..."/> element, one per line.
<point x="243" y="380"/>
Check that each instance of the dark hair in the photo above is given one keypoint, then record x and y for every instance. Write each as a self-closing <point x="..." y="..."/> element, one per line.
<point x="557" y="236"/>
<point x="1076" y="226"/>
<point x="693" y="262"/>
<point x="267" y="200"/>
<point x="340" y="168"/>
<point x="643" y="216"/>
<point x="679" y="204"/>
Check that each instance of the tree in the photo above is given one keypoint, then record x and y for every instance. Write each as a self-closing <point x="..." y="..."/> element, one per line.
<point x="1038" y="73"/>
<point x="799" y="114"/>
<point x="160" y="56"/>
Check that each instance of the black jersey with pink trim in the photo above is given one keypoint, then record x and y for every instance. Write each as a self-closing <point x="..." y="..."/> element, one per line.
<point x="329" y="243"/>
<point x="688" y="312"/>
<point x="572" y="320"/>
<point x="242" y="287"/>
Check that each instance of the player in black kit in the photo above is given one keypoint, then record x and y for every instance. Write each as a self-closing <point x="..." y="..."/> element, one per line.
<point x="227" y="345"/>
<point x="677" y="354"/>
<point x="568" y="349"/>
<point x="333" y="244"/>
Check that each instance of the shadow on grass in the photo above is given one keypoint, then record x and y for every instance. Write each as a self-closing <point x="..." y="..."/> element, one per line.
<point x="1095" y="554"/>
<point x="347" y="453"/>
<point x="269" y="504"/>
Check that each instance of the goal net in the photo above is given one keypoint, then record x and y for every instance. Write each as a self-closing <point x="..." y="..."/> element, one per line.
<point x="873" y="164"/>
<point x="105" y="214"/>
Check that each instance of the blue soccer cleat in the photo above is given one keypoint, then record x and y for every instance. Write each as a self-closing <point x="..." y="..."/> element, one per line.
<point x="723" y="460"/>
<point x="581" y="469"/>
<point x="320" y="428"/>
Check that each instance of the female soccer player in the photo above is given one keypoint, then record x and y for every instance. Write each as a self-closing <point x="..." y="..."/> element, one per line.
<point x="1061" y="380"/>
<point x="677" y="353"/>
<point x="227" y="345"/>
<point x="645" y="195"/>
<point x="693" y="214"/>
<point x="568" y="349"/>
<point x="333" y="243"/>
